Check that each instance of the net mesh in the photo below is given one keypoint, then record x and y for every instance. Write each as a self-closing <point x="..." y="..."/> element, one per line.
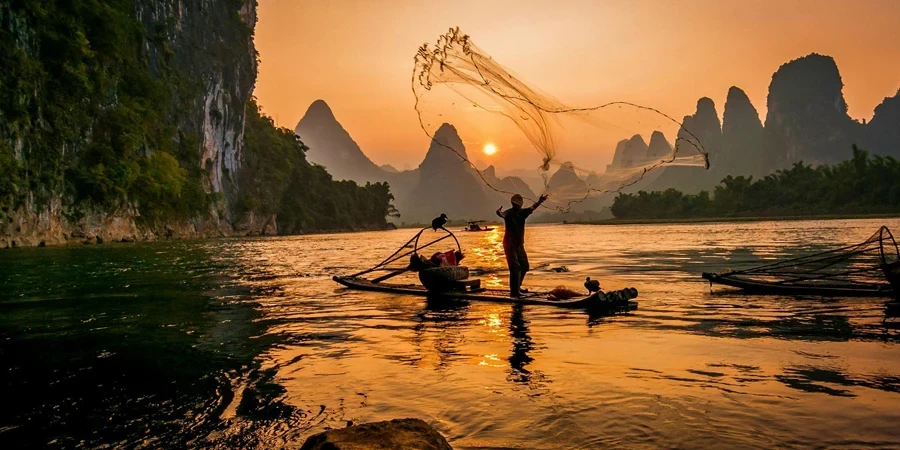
<point x="455" y="81"/>
<point x="854" y="266"/>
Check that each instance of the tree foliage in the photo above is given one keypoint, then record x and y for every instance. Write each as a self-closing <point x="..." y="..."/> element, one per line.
<point x="276" y="178"/>
<point x="92" y="111"/>
<point x="83" y="115"/>
<point x="863" y="184"/>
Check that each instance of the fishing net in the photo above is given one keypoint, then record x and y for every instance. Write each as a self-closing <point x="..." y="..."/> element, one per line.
<point x="456" y="82"/>
<point x="864" y="266"/>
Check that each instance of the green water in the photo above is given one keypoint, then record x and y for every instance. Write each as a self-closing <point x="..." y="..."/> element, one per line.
<point x="120" y="344"/>
<point x="247" y="343"/>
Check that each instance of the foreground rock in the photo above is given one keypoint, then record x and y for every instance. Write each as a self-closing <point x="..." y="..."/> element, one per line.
<point x="411" y="434"/>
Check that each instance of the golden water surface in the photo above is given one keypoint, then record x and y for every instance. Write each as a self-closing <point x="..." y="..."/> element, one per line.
<point x="694" y="367"/>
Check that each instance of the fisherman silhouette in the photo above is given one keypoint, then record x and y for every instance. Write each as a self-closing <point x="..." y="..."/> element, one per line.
<point x="514" y="241"/>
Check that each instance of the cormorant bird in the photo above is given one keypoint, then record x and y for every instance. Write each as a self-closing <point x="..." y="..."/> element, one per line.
<point x="439" y="222"/>
<point x="592" y="285"/>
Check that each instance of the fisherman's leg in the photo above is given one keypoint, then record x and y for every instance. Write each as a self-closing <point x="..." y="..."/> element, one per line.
<point x="512" y="262"/>
<point x="522" y="260"/>
<point x="515" y="283"/>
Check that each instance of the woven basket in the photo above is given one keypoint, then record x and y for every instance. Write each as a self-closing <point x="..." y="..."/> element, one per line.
<point x="440" y="279"/>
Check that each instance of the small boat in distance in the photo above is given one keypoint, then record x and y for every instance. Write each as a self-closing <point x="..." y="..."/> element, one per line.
<point x="477" y="225"/>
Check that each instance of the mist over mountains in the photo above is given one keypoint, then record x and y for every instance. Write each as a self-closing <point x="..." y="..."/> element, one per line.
<point x="442" y="183"/>
<point x="806" y="120"/>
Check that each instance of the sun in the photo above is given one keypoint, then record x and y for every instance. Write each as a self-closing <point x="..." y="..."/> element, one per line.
<point x="490" y="149"/>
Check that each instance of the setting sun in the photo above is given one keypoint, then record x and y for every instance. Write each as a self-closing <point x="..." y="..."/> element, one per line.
<point x="490" y="149"/>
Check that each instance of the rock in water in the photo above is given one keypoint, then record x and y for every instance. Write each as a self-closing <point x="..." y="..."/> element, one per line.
<point x="397" y="434"/>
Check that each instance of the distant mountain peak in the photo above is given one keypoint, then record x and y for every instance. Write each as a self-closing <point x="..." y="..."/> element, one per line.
<point x="706" y="115"/>
<point x="566" y="182"/>
<point x="659" y="146"/>
<point x="331" y="146"/>
<point x="446" y="150"/>
<point x="446" y="133"/>
<point x="319" y="109"/>
<point x="807" y="116"/>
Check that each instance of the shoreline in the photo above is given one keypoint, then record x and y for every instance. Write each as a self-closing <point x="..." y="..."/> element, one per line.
<point x="219" y="235"/>
<point x="738" y="219"/>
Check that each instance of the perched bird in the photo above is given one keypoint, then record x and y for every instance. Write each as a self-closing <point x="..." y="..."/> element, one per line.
<point x="592" y="285"/>
<point x="439" y="222"/>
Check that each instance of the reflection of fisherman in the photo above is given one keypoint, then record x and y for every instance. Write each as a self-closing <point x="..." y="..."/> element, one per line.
<point x="514" y="241"/>
<point x="522" y="344"/>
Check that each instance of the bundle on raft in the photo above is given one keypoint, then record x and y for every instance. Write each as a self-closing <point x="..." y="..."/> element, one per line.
<point x="442" y="275"/>
<point x="868" y="269"/>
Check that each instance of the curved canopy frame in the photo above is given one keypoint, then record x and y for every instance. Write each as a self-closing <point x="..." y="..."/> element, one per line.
<point x="413" y="242"/>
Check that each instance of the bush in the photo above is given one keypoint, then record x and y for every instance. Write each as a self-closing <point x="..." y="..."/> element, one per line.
<point x="863" y="184"/>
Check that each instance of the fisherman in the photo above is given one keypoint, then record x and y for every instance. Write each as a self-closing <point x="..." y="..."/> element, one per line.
<point x="514" y="241"/>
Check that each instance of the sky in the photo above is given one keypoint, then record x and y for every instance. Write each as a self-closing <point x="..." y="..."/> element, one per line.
<point x="358" y="57"/>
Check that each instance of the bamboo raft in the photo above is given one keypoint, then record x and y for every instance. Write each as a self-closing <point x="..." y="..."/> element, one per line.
<point x="454" y="283"/>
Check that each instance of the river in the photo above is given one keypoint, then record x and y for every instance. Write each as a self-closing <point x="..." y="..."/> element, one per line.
<point x="249" y="343"/>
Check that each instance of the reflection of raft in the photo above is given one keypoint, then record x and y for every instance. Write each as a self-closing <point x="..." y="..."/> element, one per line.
<point x="453" y="282"/>
<point x="867" y="269"/>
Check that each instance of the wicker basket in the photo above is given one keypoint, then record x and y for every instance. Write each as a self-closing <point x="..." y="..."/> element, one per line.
<point x="441" y="279"/>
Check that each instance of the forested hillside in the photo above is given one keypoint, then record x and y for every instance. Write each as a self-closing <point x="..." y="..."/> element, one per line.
<point x="133" y="119"/>
<point x="862" y="184"/>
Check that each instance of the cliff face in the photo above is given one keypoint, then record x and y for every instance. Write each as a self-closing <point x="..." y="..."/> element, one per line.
<point x="83" y="118"/>
<point x="630" y="153"/>
<point x="330" y="145"/>
<point x="706" y="127"/>
<point x="702" y="127"/>
<point x="565" y="179"/>
<point x="214" y="54"/>
<point x="883" y="132"/>
<point x="659" y="147"/>
<point x="807" y="116"/>
<point x="742" y="134"/>
<point x="446" y="183"/>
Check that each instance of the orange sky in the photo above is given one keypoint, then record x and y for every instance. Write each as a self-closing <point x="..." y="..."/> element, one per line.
<point x="357" y="56"/>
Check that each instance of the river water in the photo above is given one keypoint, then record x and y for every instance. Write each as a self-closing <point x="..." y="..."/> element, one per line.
<point x="248" y="343"/>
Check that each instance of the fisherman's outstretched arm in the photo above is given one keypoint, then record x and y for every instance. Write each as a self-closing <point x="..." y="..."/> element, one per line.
<point x="500" y="213"/>
<point x="538" y="203"/>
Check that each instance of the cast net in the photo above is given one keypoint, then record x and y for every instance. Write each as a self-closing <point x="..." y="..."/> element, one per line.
<point x="456" y="82"/>
<point x="868" y="265"/>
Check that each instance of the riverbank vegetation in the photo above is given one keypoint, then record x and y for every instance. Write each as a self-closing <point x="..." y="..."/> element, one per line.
<point x="276" y="179"/>
<point x="85" y="117"/>
<point x="864" y="184"/>
<point x="98" y="114"/>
